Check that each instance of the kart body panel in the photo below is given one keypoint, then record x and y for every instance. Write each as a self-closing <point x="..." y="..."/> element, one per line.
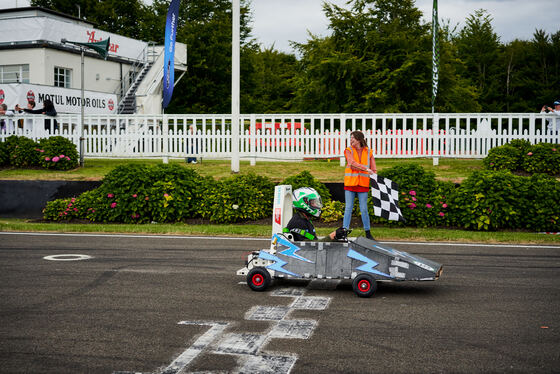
<point x="341" y="260"/>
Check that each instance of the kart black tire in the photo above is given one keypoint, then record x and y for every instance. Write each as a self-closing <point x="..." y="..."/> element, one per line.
<point x="364" y="285"/>
<point x="258" y="279"/>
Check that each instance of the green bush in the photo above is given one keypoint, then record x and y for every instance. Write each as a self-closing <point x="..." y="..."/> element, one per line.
<point x="423" y="201"/>
<point x="58" y="153"/>
<point x="521" y="144"/>
<point x="332" y="211"/>
<point x="51" y="153"/>
<point x="305" y="179"/>
<point x="137" y="194"/>
<point x="542" y="158"/>
<point x="238" y="198"/>
<point x="70" y="208"/>
<point x="4" y="159"/>
<point x="505" y="157"/>
<point x="542" y="199"/>
<point x="521" y="155"/>
<point x="21" y="151"/>
<point x="489" y="200"/>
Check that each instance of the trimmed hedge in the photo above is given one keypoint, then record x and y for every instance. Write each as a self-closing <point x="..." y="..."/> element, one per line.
<point x="52" y="153"/>
<point x="520" y="155"/>
<point x="486" y="200"/>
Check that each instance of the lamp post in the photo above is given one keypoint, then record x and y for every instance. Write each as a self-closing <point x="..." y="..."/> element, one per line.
<point x="102" y="49"/>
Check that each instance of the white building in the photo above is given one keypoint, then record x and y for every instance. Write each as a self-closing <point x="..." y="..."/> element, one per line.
<point x="35" y="64"/>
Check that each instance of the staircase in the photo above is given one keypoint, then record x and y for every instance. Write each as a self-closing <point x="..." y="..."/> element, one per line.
<point x="127" y="104"/>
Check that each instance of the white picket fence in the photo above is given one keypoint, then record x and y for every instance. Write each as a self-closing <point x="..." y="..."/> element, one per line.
<point x="288" y="136"/>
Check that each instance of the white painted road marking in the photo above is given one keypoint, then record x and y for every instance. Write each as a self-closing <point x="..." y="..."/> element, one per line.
<point x="185" y="237"/>
<point x="67" y="257"/>
<point x="248" y="346"/>
<point x="198" y="346"/>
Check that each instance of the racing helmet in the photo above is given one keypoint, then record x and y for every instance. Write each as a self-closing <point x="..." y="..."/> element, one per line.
<point x="307" y="200"/>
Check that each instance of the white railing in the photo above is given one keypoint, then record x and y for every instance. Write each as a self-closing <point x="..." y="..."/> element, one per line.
<point x="288" y="136"/>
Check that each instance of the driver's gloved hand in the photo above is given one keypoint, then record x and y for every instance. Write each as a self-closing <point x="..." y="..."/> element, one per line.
<point x="342" y="233"/>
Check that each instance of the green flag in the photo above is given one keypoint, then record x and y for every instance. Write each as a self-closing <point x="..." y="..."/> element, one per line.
<point x="101" y="47"/>
<point x="435" y="53"/>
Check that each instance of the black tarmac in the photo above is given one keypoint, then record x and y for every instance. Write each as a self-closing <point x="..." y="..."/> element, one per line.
<point x="496" y="309"/>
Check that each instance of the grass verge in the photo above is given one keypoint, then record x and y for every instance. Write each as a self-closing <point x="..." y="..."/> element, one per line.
<point x="247" y="230"/>
<point x="450" y="169"/>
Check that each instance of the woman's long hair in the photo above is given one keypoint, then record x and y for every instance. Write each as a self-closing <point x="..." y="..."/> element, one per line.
<point x="359" y="136"/>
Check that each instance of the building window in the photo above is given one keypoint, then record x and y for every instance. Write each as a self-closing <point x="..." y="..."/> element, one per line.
<point x="14" y="73"/>
<point x="62" y="77"/>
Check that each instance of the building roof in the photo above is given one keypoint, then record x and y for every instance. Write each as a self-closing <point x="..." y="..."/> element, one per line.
<point x="36" y="10"/>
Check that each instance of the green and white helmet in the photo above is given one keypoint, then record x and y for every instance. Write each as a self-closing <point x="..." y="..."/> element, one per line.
<point x="308" y="201"/>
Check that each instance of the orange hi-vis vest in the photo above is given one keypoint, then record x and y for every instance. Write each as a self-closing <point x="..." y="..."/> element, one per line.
<point x="357" y="177"/>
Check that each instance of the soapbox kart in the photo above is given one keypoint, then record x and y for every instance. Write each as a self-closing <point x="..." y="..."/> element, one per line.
<point x="362" y="260"/>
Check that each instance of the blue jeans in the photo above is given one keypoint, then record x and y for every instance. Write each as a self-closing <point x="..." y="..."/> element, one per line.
<point x="349" y="197"/>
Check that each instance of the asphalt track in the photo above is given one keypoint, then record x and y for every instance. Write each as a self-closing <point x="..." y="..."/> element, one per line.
<point x="495" y="309"/>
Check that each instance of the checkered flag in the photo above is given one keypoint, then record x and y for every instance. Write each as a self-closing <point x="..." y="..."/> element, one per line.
<point x="385" y="194"/>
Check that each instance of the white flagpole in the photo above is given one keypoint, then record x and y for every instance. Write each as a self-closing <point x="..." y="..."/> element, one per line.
<point x="235" y="73"/>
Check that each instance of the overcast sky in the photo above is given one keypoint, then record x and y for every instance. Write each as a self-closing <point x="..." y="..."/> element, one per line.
<point x="276" y="22"/>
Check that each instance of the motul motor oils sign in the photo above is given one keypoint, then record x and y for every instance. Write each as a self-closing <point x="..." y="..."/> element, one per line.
<point x="65" y="100"/>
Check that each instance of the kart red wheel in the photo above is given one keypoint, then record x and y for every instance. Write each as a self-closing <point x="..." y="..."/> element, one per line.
<point x="258" y="279"/>
<point x="364" y="285"/>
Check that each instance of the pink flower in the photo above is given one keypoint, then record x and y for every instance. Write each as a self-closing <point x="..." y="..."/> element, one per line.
<point x="530" y="154"/>
<point x="413" y="193"/>
<point x="110" y="195"/>
<point x="553" y="149"/>
<point x="165" y="195"/>
<point x="69" y="205"/>
<point x="428" y="206"/>
<point x="441" y="214"/>
<point x="61" y="156"/>
<point x="93" y="210"/>
<point x="55" y="159"/>
<point x="75" y="209"/>
<point x="67" y="158"/>
<point x="413" y="198"/>
<point x="113" y="205"/>
<point x="444" y="205"/>
<point x="41" y="150"/>
<point x="65" y="213"/>
<point x="134" y="195"/>
<point x="412" y="205"/>
<point x="73" y="199"/>
<point x="47" y="158"/>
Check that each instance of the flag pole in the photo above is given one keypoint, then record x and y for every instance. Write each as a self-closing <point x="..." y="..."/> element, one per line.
<point x="435" y="78"/>
<point x="235" y="86"/>
<point x="435" y="53"/>
<point x="82" y="113"/>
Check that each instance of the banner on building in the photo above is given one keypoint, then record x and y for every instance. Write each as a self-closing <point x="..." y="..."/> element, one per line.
<point x="169" y="55"/>
<point x="65" y="100"/>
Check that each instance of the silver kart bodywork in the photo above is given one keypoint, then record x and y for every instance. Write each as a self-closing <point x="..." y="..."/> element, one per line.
<point x="340" y="260"/>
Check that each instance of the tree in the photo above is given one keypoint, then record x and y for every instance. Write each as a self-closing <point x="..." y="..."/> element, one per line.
<point x="269" y="85"/>
<point x="378" y="59"/>
<point x="205" y="28"/>
<point x="117" y="16"/>
<point x="478" y="46"/>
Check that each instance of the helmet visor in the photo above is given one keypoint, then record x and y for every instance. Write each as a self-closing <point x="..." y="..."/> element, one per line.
<point x="316" y="203"/>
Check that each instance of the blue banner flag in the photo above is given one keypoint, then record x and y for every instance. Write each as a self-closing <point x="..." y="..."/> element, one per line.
<point x="169" y="56"/>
